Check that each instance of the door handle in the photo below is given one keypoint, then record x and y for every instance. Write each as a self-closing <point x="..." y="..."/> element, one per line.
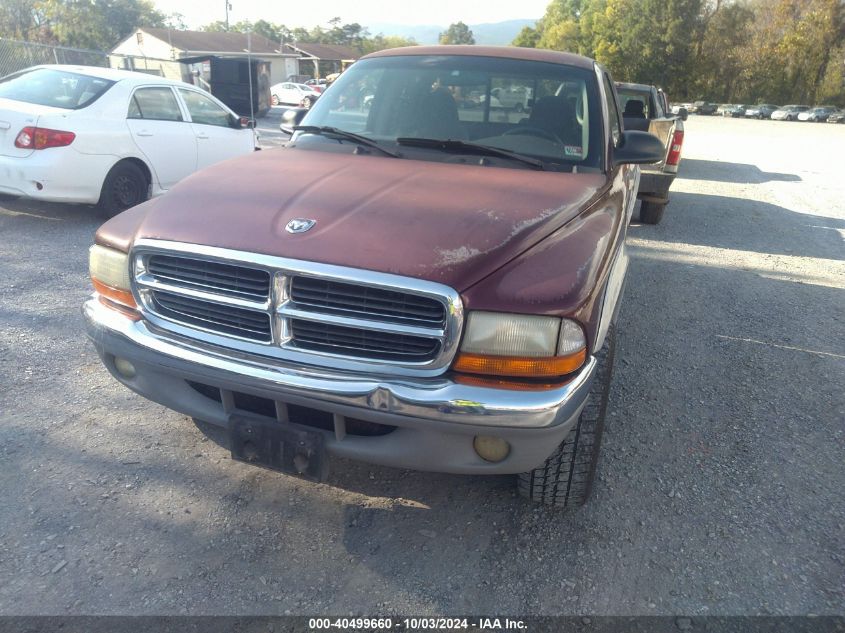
<point x="144" y="133"/>
<point x="202" y="136"/>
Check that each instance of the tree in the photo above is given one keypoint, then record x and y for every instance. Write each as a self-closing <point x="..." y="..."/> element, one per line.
<point x="528" y="37"/>
<point x="457" y="33"/>
<point x="20" y="19"/>
<point x="94" y="24"/>
<point x="381" y="42"/>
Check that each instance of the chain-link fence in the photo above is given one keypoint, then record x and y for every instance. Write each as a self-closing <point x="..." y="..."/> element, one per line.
<point x="16" y="55"/>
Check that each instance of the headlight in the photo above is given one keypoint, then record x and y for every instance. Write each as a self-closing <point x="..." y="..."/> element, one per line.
<point x="109" y="270"/>
<point x="524" y="346"/>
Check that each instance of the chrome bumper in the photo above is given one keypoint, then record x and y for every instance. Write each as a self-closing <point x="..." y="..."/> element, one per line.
<point x="436" y="418"/>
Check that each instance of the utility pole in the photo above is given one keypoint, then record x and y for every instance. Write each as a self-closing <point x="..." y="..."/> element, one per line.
<point x="228" y="8"/>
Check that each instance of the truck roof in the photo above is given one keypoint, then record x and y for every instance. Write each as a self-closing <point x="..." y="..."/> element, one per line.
<point x="629" y="86"/>
<point x="509" y="52"/>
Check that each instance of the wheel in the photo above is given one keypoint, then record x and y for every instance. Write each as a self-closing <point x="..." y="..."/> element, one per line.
<point x="651" y="212"/>
<point x="124" y="187"/>
<point x="566" y="478"/>
<point x="518" y="108"/>
<point x="274" y="100"/>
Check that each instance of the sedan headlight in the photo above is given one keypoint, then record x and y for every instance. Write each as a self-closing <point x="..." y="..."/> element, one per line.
<point x="109" y="270"/>
<point x="524" y="346"/>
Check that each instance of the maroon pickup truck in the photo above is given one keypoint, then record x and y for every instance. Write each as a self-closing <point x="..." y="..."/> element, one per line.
<point x="414" y="280"/>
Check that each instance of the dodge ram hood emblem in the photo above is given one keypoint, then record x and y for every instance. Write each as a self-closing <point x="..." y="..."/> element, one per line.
<point x="299" y="225"/>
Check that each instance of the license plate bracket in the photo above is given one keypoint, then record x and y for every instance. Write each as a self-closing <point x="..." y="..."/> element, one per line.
<point x="277" y="446"/>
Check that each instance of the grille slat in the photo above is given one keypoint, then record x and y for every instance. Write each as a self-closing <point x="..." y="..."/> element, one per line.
<point x="217" y="317"/>
<point x="335" y="297"/>
<point x="226" y="279"/>
<point x="324" y="337"/>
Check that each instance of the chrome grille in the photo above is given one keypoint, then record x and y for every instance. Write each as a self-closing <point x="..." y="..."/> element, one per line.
<point x="198" y="274"/>
<point x="299" y="311"/>
<point x="325" y="337"/>
<point x="354" y="300"/>
<point x="230" y="320"/>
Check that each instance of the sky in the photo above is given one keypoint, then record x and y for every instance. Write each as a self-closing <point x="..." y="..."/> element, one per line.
<point x="307" y="13"/>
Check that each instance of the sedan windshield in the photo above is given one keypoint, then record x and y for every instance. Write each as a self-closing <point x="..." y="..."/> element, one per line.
<point x="537" y="110"/>
<point x="51" y="87"/>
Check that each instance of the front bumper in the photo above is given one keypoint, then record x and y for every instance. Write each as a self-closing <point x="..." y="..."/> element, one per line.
<point x="435" y="419"/>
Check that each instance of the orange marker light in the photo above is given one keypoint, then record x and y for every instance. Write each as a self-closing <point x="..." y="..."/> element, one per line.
<point x="517" y="366"/>
<point x="119" y="300"/>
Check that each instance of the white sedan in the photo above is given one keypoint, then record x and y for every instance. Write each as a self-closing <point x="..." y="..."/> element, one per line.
<point x="109" y="137"/>
<point x="289" y="93"/>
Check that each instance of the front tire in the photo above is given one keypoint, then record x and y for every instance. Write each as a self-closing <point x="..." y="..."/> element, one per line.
<point x="566" y="478"/>
<point x="125" y="186"/>
<point x="651" y="212"/>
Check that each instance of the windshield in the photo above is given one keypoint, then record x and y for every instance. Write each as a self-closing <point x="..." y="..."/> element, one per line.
<point x="541" y="110"/>
<point x="56" y="88"/>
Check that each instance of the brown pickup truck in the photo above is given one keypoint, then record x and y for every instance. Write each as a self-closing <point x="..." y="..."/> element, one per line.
<point x="413" y="283"/>
<point x="646" y="108"/>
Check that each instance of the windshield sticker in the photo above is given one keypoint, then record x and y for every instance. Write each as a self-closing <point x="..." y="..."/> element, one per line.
<point x="572" y="150"/>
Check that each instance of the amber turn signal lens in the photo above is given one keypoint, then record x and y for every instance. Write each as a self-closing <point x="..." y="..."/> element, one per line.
<point x="123" y="297"/>
<point x="516" y="366"/>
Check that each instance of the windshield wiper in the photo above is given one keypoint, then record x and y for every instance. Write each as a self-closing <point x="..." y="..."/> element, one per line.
<point x="329" y="131"/>
<point x="454" y="145"/>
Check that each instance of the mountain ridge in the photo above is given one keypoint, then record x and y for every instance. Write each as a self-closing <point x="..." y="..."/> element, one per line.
<point x="491" y="33"/>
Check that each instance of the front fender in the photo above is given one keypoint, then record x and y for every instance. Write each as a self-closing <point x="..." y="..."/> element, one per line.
<point x="567" y="273"/>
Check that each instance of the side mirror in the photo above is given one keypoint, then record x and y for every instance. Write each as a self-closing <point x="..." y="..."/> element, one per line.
<point x="637" y="147"/>
<point x="291" y="118"/>
<point x="682" y="112"/>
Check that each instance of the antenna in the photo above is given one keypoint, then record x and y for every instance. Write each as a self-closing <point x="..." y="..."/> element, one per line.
<point x="249" y="72"/>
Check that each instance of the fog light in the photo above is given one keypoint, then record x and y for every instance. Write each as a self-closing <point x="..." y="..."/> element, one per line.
<point x="124" y="368"/>
<point x="491" y="449"/>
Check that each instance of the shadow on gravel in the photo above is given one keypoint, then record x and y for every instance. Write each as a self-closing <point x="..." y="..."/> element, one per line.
<point x="739" y="173"/>
<point x="745" y="225"/>
<point x="54" y="211"/>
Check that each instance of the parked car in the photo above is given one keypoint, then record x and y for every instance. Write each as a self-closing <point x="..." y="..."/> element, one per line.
<point x="516" y="98"/>
<point x="837" y="117"/>
<point x="109" y="137"/>
<point x="703" y="107"/>
<point x="436" y="303"/>
<point x="789" y="112"/>
<point x="721" y="109"/>
<point x="289" y="93"/>
<point x="735" y="111"/>
<point x="761" y="111"/>
<point x="681" y="109"/>
<point x="318" y="85"/>
<point x="818" y="114"/>
<point x="646" y="108"/>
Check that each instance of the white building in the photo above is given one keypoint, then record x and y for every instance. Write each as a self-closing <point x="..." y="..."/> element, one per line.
<point x="157" y="51"/>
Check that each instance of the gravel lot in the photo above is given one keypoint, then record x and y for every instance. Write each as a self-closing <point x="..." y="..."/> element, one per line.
<point x="721" y="482"/>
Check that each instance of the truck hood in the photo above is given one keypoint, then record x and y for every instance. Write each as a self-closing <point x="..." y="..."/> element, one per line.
<point x="445" y="222"/>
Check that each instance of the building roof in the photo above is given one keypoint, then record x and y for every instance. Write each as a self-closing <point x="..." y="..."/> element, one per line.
<point x="214" y="42"/>
<point x="327" y="52"/>
<point x="511" y="52"/>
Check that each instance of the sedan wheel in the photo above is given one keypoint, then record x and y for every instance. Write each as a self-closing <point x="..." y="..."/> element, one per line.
<point x="124" y="187"/>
